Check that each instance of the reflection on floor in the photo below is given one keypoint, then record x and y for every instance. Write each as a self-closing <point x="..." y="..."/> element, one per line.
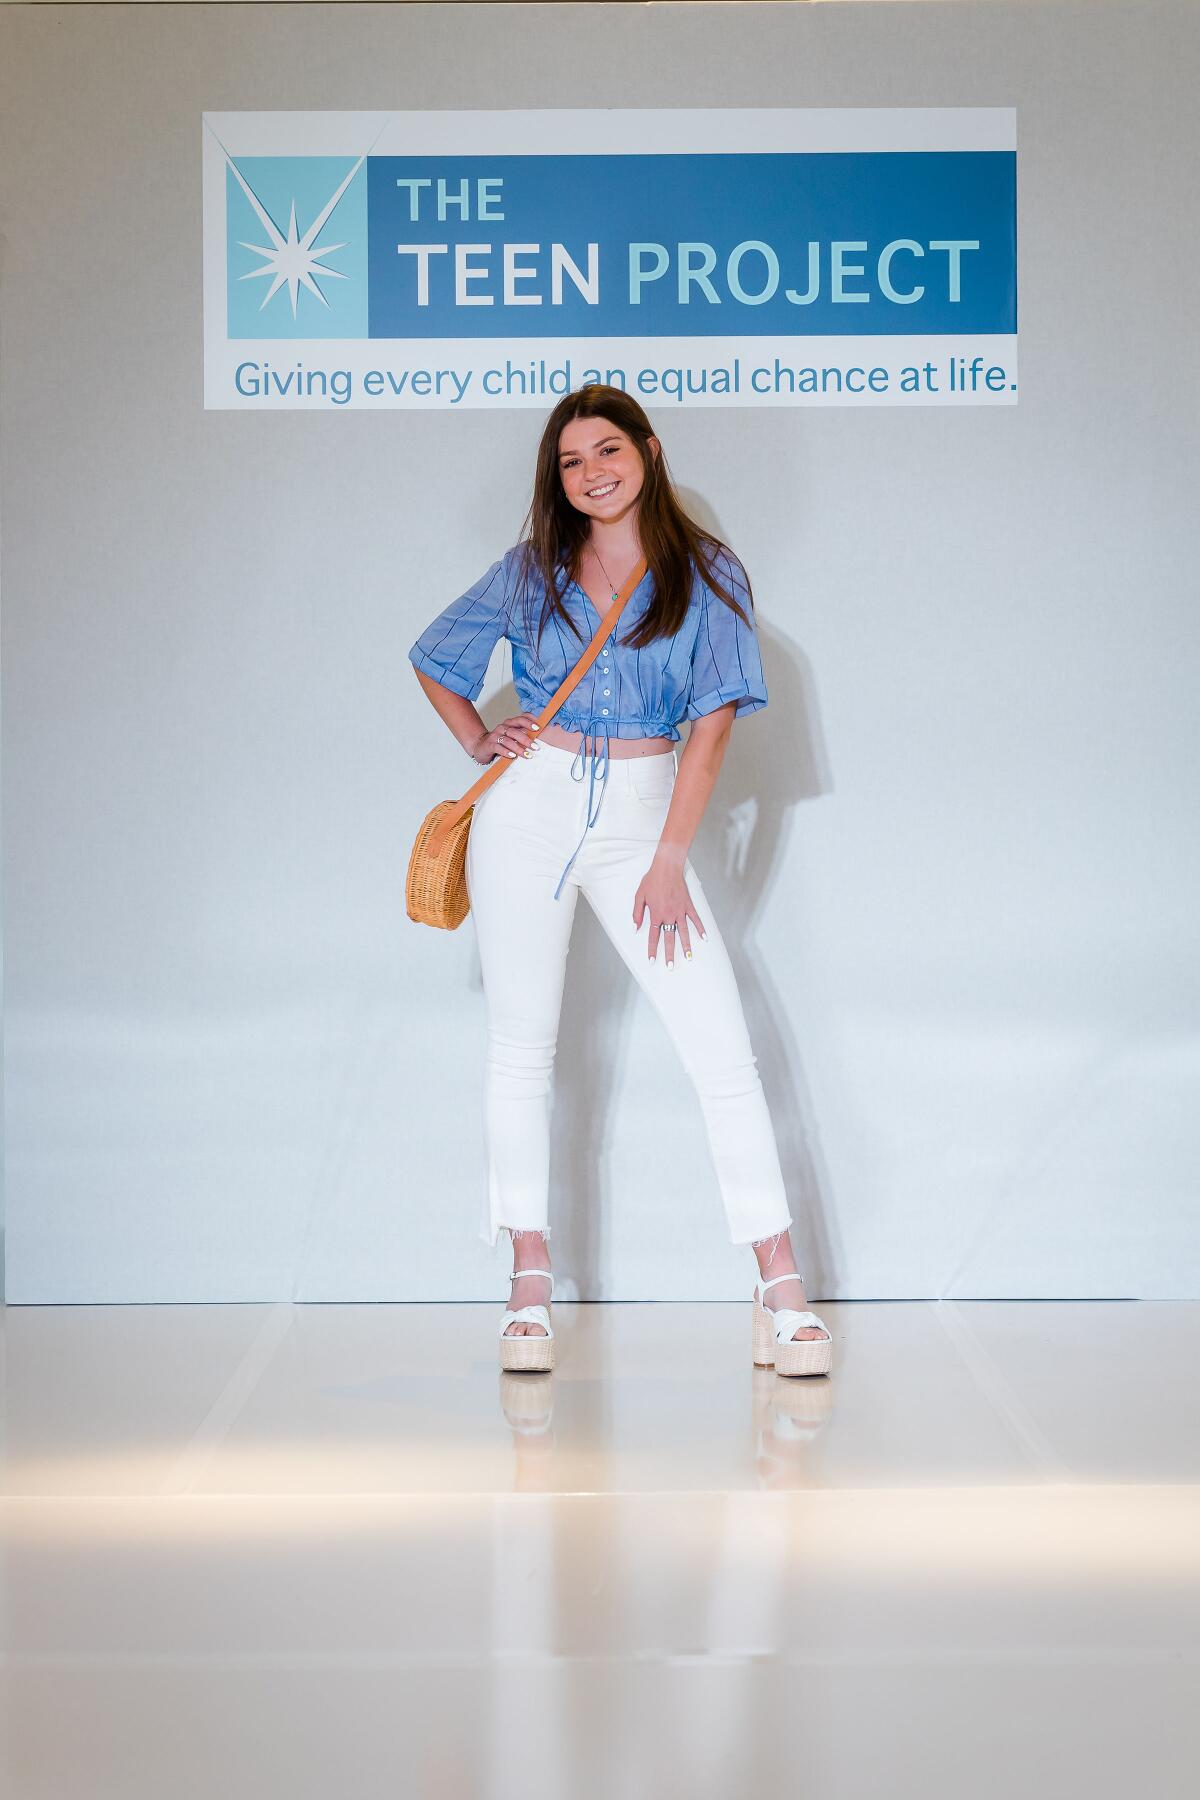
<point x="276" y="1550"/>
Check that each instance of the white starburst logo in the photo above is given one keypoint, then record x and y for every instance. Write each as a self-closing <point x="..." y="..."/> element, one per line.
<point x="292" y="259"/>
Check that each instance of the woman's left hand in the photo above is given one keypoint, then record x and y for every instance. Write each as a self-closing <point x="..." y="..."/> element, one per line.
<point x="665" y="892"/>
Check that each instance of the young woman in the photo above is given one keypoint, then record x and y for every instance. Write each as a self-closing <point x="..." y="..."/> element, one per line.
<point x="597" y="804"/>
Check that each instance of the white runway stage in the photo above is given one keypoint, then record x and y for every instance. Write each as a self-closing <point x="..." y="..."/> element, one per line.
<point x="277" y="1550"/>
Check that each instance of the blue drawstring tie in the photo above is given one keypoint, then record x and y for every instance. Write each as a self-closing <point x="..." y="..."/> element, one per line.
<point x="597" y="766"/>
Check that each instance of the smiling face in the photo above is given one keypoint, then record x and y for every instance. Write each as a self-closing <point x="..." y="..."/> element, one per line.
<point x="600" y="468"/>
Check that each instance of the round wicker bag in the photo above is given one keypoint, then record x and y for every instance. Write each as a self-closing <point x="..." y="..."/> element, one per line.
<point x="435" y="890"/>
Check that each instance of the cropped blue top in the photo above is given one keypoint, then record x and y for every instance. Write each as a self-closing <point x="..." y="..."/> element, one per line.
<point x="712" y="659"/>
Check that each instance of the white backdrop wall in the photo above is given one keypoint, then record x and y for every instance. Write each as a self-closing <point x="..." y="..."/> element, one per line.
<point x="956" y="854"/>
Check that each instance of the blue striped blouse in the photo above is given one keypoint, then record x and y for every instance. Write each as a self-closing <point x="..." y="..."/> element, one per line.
<point x="712" y="659"/>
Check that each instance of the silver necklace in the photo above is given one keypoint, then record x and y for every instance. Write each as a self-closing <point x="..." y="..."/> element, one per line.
<point x="603" y="571"/>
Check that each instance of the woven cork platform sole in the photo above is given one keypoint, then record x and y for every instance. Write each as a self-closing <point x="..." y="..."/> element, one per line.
<point x="527" y="1351"/>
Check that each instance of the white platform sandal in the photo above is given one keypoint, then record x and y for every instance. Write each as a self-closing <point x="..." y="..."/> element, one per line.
<point x="773" y="1341"/>
<point x="528" y="1349"/>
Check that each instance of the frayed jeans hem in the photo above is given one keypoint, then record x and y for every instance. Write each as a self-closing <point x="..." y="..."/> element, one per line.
<point x="758" y="1236"/>
<point x="516" y="1231"/>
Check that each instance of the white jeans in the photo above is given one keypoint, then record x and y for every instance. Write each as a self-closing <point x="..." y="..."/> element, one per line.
<point x="523" y="829"/>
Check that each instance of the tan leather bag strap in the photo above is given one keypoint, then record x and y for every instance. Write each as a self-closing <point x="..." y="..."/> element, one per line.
<point x="495" y="769"/>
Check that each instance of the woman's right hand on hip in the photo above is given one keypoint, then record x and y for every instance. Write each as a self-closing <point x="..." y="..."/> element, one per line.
<point x="512" y="737"/>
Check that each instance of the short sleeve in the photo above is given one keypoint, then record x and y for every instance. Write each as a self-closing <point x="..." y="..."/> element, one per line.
<point x="456" y="647"/>
<point x="726" y="662"/>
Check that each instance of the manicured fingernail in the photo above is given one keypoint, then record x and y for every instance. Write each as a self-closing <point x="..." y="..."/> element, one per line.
<point x="704" y="935"/>
<point x="510" y="753"/>
<point x="527" y="753"/>
<point x="687" y="956"/>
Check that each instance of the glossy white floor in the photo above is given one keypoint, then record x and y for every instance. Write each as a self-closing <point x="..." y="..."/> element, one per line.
<point x="260" y="1551"/>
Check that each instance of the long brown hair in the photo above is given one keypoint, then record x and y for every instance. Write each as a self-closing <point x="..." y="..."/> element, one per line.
<point x="554" y="532"/>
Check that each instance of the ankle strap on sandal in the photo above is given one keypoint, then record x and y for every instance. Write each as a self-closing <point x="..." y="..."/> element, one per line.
<point x="776" y="1279"/>
<point x="517" y="1274"/>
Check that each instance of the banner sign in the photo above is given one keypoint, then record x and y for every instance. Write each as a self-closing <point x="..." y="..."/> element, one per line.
<point x="820" y="257"/>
